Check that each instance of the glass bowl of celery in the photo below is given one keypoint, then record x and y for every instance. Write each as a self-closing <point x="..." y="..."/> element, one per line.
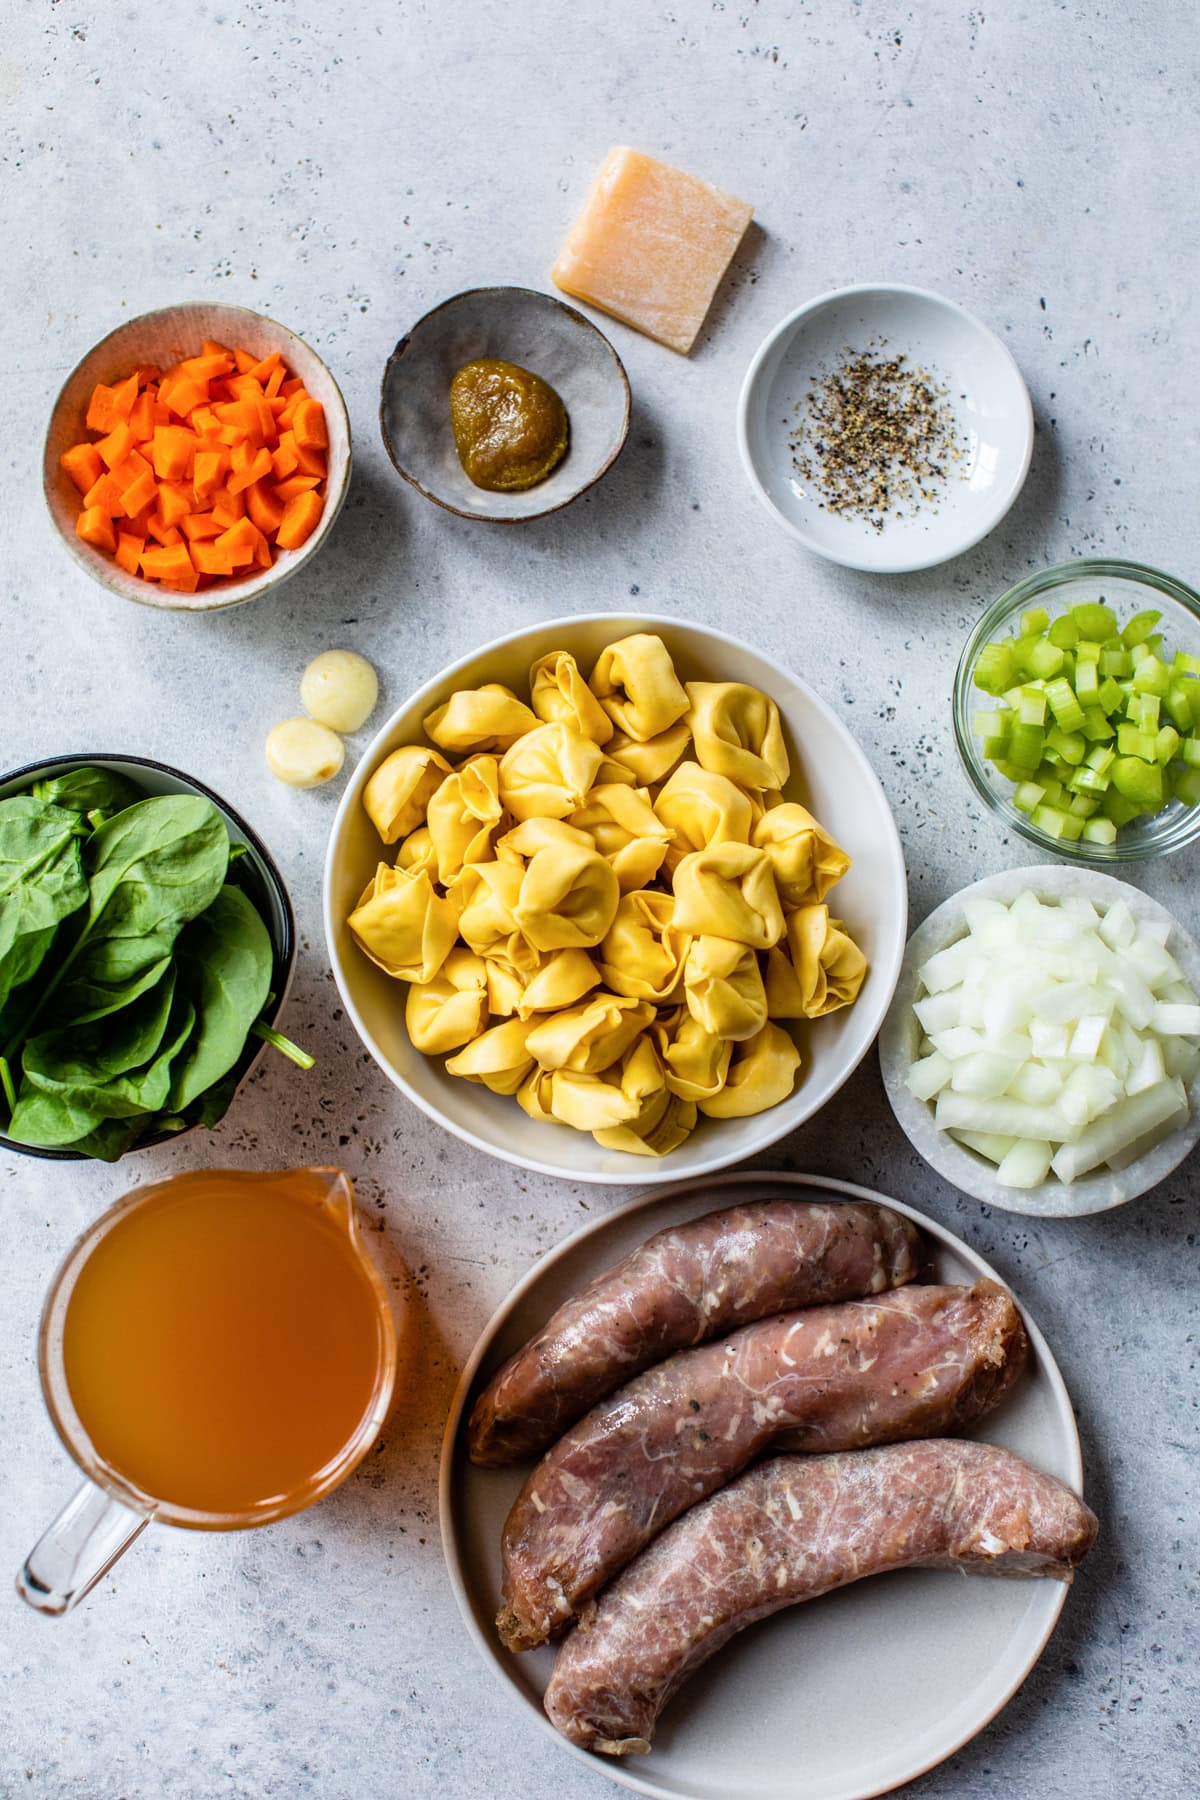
<point x="1077" y="710"/>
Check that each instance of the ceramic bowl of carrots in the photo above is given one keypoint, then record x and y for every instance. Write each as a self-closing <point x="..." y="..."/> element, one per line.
<point x="196" y="457"/>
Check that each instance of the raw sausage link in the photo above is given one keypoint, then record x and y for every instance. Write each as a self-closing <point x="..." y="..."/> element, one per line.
<point x="789" y="1530"/>
<point x="684" y="1285"/>
<point x="917" y="1363"/>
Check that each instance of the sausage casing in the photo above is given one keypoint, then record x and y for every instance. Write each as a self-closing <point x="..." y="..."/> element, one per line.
<point x="683" y="1286"/>
<point x="920" y="1362"/>
<point x="789" y="1530"/>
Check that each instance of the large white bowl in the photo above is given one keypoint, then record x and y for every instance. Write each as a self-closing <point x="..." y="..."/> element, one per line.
<point x="830" y="775"/>
<point x="984" y="388"/>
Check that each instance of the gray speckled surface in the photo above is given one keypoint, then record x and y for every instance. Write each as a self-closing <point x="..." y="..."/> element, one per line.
<point x="344" y="166"/>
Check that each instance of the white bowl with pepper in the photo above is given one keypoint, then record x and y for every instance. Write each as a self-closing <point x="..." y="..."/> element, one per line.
<point x="885" y="427"/>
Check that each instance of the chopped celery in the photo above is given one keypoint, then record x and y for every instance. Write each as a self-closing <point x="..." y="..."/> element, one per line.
<point x="1101" y="758"/>
<point x="1151" y="677"/>
<point x="1099" y="831"/>
<point x="1139" y="782"/>
<point x="1167" y="744"/>
<point x="1070" y="745"/>
<point x="1088" y="781"/>
<point x="1112" y="695"/>
<point x="1116" y="662"/>
<point x="1132" y="742"/>
<point x="994" y="668"/>
<point x="1031" y="707"/>
<point x="1044" y="658"/>
<point x="991" y="724"/>
<point x="1187" y="786"/>
<point x="1139" y="628"/>
<point x="1087" y="650"/>
<point x="1095" y="727"/>
<point x="1082" y="806"/>
<point x="1178" y="704"/>
<point x="1028" y="796"/>
<point x="1118" y="809"/>
<point x="1094" y="621"/>
<point x="1064" y="633"/>
<point x="1142" y="710"/>
<point x="1087" y="682"/>
<point x="1066" y="708"/>
<point x="1189" y="750"/>
<point x="1025" y="746"/>
<point x="1183" y="664"/>
<point x="1035" y="621"/>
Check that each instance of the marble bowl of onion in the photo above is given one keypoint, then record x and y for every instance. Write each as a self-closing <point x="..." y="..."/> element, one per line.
<point x="1042" y="1050"/>
<point x="827" y="773"/>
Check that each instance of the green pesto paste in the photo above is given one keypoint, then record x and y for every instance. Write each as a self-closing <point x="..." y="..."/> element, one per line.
<point x="510" y="427"/>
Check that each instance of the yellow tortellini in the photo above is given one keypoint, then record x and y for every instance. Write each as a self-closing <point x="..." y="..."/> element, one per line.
<point x="643" y="954"/>
<point x="636" y="684"/>
<point x="547" y="773"/>
<point x="559" y="695"/>
<point x="462" y="816"/>
<point x="484" y="718"/>
<point x="729" y="891"/>
<point x="806" y="860"/>
<point x="762" y="1072"/>
<point x="737" y="732"/>
<point x="447" y="1012"/>
<point x="398" y="792"/>
<point x="626" y="829"/>
<point x="723" y="986"/>
<point x="604" y="900"/>
<point x="823" y="971"/>
<point x="403" y="924"/>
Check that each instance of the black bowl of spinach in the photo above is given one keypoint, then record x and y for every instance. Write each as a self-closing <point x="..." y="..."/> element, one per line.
<point x="146" y="947"/>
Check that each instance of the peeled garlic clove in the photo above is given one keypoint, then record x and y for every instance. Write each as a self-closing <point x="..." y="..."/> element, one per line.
<point x="339" y="688"/>
<point x="304" y="754"/>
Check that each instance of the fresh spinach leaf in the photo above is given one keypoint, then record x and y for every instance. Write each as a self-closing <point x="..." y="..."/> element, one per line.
<point x="111" y="973"/>
<point x="49" y="1121"/>
<point x="224" y="959"/>
<point x="81" y="1088"/>
<point x="76" y="1058"/>
<point x="41" y="883"/>
<point x="89" y="790"/>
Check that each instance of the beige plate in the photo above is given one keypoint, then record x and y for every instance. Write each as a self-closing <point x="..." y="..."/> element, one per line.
<point x="840" y="1699"/>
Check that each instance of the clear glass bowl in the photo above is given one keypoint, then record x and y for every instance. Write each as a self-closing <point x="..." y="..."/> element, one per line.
<point x="1128" y="588"/>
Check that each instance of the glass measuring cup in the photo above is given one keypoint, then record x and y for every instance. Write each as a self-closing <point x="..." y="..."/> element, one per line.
<point x="216" y="1351"/>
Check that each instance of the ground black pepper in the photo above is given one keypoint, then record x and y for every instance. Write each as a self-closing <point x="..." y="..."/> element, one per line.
<point x="876" y="438"/>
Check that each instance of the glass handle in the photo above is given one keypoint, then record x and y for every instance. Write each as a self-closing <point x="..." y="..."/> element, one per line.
<point x="81" y="1546"/>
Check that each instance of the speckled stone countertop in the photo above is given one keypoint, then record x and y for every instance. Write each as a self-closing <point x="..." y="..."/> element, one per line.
<point x="342" y="167"/>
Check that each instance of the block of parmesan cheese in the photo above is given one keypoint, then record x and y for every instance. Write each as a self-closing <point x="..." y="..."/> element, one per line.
<point x="651" y="245"/>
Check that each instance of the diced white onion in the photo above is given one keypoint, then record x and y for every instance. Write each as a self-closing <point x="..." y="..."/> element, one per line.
<point x="1056" y="1037"/>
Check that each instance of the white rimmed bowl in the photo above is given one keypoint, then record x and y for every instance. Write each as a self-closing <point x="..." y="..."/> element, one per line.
<point x="161" y="338"/>
<point x="842" y="1698"/>
<point x="829" y="773"/>
<point x="901" y="1035"/>
<point x="984" y="387"/>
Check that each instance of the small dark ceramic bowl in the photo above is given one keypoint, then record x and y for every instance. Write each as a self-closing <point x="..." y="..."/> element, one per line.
<point x="515" y="325"/>
<point x="255" y="873"/>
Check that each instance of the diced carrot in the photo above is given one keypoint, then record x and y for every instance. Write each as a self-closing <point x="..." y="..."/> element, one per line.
<point x="95" y="527"/>
<point x="210" y="347"/>
<point x="312" y="462"/>
<point x="138" y="524"/>
<point x="264" y="508"/>
<point x="200" y="525"/>
<point x="293" y="385"/>
<point x="227" y="507"/>
<point x="162" y="414"/>
<point x="245" y="387"/>
<point x="205" y="420"/>
<point x="157" y="527"/>
<point x="183" y="395"/>
<point x="130" y="470"/>
<point x="309" y="427"/>
<point x="141" y="419"/>
<point x="274" y="381"/>
<point x="242" y="416"/>
<point x="245" y="362"/>
<point x="257" y="469"/>
<point x="294" y="485"/>
<point x="267" y="367"/>
<point x="185" y="584"/>
<point x="174" y="446"/>
<point x="172" y="563"/>
<point x="239" y="542"/>
<point x="106" y="494"/>
<point x="129" y="549"/>
<point x="209" y="559"/>
<point x="174" y="502"/>
<point x="147" y="373"/>
<point x="285" y="460"/>
<point x="82" y="463"/>
<point x="300" y="517"/>
<point x="264" y="556"/>
<point x="116" y="446"/>
<point x="102" y="415"/>
<point x="141" y="493"/>
<point x="210" y="366"/>
<point x="209" y="472"/>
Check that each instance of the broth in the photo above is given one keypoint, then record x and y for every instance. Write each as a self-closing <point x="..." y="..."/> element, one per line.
<point x="224" y="1342"/>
